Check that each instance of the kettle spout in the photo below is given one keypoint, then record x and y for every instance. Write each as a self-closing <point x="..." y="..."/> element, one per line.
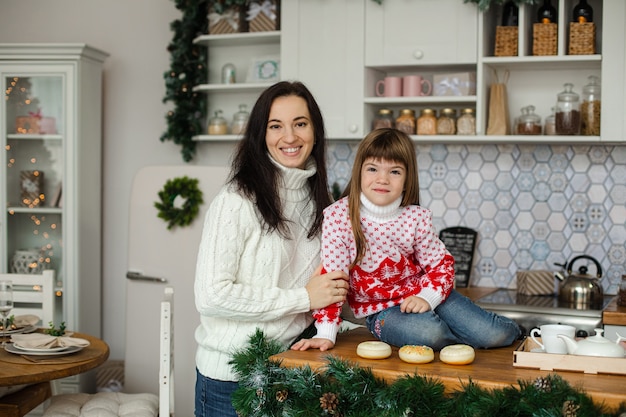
<point x="570" y="343"/>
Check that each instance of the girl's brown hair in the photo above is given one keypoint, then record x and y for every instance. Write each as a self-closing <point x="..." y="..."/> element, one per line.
<point x="381" y="144"/>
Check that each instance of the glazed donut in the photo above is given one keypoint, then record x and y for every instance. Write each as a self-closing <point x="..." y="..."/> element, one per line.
<point x="416" y="354"/>
<point x="457" y="354"/>
<point x="373" y="350"/>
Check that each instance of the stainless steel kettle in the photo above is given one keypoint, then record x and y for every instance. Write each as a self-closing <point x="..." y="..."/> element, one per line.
<point x="581" y="291"/>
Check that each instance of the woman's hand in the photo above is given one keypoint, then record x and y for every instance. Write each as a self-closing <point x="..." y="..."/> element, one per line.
<point x="414" y="304"/>
<point x="327" y="289"/>
<point x="317" y="343"/>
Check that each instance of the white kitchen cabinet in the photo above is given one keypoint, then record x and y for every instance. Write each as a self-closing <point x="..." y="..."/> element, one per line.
<point x="322" y="46"/>
<point x="424" y="32"/>
<point x="50" y="171"/>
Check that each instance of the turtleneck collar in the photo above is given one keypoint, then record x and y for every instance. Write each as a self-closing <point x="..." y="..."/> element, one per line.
<point x="380" y="214"/>
<point x="294" y="180"/>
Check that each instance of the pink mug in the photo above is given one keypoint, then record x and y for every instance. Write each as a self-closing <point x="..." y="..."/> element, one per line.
<point x="391" y="87"/>
<point x="415" y="85"/>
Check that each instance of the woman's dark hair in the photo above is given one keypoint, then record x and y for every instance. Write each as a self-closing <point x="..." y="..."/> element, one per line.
<point x="255" y="174"/>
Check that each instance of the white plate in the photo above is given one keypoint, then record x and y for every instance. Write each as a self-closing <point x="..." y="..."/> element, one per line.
<point x="42" y="352"/>
<point x="27" y="329"/>
<point x="54" y="349"/>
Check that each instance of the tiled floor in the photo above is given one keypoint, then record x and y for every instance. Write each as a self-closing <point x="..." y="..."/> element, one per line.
<point x="533" y="206"/>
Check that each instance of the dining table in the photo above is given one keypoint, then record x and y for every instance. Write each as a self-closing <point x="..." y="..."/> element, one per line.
<point x="37" y="371"/>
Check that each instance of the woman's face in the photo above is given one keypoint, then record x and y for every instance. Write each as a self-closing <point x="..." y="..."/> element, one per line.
<point x="382" y="181"/>
<point x="289" y="136"/>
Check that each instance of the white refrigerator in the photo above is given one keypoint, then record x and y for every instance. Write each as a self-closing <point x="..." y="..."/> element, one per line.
<point x="159" y="257"/>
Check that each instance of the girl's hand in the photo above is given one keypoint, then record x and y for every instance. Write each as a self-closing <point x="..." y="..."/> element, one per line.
<point x="414" y="304"/>
<point x="321" y="344"/>
<point x="327" y="289"/>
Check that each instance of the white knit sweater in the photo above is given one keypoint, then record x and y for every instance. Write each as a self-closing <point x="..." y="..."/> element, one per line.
<point x="248" y="279"/>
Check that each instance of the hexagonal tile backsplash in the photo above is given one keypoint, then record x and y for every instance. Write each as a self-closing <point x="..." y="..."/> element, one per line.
<point x="532" y="205"/>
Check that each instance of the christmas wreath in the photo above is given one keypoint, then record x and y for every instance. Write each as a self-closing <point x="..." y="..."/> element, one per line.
<point x="180" y="201"/>
<point x="344" y="389"/>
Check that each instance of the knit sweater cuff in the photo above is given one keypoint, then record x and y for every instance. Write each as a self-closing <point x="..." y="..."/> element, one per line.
<point x="432" y="297"/>
<point x="327" y="331"/>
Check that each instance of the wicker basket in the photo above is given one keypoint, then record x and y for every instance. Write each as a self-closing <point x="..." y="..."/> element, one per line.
<point x="506" y="41"/>
<point x="582" y="38"/>
<point x="544" y="38"/>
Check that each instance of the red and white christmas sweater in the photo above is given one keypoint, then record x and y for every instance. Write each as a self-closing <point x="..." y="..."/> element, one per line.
<point x="404" y="257"/>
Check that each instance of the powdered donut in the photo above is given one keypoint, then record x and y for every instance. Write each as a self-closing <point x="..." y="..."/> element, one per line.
<point x="457" y="354"/>
<point x="416" y="354"/>
<point x="373" y="350"/>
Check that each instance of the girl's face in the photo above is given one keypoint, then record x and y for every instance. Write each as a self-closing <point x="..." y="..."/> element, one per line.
<point x="289" y="137"/>
<point x="382" y="181"/>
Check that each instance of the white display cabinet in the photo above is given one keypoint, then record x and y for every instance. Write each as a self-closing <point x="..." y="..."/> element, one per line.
<point x="50" y="172"/>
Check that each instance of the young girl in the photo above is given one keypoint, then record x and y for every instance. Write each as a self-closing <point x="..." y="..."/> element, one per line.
<point x="401" y="274"/>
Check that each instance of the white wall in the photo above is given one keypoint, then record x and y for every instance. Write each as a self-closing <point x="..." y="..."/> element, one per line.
<point x="135" y="33"/>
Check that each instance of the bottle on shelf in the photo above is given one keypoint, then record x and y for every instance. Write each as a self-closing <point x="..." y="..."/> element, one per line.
<point x="549" y="127"/>
<point x="590" y="108"/>
<point x="446" y="123"/>
<point x="528" y="123"/>
<point x="567" y="117"/>
<point x="229" y="74"/>
<point x="427" y="122"/>
<point x="546" y="13"/>
<point x="383" y="119"/>
<point x="240" y="120"/>
<point x="218" y="125"/>
<point x="406" y="121"/>
<point x="510" y="14"/>
<point x="582" y="12"/>
<point x="466" y="123"/>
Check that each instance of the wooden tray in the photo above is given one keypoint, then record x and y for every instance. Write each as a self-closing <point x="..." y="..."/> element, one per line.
<point x="523" y="357"/>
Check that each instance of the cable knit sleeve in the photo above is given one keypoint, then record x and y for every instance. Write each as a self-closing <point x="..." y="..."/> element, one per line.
<point x="431" y="254"/>
<point x="237" y="276"/>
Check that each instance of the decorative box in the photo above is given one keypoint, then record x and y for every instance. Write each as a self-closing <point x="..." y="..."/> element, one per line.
<point x="506" y="41"/>
<point x="454" y="84"/>
<point x="231" y="20"/>
<point x="544" y="38"/>
<point x="536" y="282"/>
<point x="35" y="125"/>
<point x="263" y="16"/>
<point x="31" y="187"/>
<point x="582" y="38"/>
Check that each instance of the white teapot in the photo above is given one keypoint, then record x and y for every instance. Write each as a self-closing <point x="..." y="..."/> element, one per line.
<point x="596" y="345"/>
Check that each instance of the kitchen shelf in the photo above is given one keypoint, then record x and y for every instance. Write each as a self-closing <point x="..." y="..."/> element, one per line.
<point x="39" y="210"/>
<point x="225" y="88"/>
<point x="569" y="62"/>
<point x="422" y="100"/>
<point x="26" y="136"/>
<point x="238" y="39"/>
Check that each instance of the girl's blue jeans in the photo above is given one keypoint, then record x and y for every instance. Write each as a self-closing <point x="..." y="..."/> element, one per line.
<point x="456" y="320"/>
<point x="213" y="397"/>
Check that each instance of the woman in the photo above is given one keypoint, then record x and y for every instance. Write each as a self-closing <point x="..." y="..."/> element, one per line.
<point x="258" y="258"/>
<point x="401" y="274"/>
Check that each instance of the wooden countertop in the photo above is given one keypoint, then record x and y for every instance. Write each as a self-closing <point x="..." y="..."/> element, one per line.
<point x="614" y="314"/>
<point x="492" y="368"/>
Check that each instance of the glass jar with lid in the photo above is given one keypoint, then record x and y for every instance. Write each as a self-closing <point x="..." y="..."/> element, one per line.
<point x="446" y="123"/>
<point x="406" y="121"/>
<point x="549" y="127"/>
<point x="590" y="108"/>
<point x="567" y="117"/>
<point x="427" y="122"/>
<point x="217" y="124"/>
<point x="383" y="119"/>
<point x="240" y="120"/>
<point x="528" y="123"/>
<point x="466" y="123"/>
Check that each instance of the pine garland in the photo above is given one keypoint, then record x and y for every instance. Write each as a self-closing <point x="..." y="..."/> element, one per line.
<point x="345" y="389"/>
<point x="188" y="68"/>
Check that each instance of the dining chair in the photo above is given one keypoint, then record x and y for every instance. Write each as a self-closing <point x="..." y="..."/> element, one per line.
<point x="124" y="404"/>
<point x="32" y="294"/>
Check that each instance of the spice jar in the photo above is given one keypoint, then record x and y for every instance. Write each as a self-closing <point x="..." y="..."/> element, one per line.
<point x="549" y="128"/>
<point x="529" y="123"/>
<point x="567" y="117"/>
<point x="446" y="123"/>
<point x="240" y="120"/>
<point x="406" y="121"/>
<point x="590" y="108"/>
<point x="383" y="119"/>
<point x="218" y="125"/>
<point x="621" y="292"/>
<point x="427" y="122"/>
<point x="466" y="123"/>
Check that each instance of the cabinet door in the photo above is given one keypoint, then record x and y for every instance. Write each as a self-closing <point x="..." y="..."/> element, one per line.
<point x="322" y="46"/>
<point x="411" y="32"/>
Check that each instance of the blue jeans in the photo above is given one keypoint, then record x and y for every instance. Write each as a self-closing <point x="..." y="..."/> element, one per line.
<point x="456" y="320"/>
<point x="213" y="397"/>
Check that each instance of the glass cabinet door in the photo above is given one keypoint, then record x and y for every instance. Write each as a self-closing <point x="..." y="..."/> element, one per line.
<point x="33" y="117"/>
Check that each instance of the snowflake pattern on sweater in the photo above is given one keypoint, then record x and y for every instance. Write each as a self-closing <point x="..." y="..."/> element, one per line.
<point x="404" y="257"/>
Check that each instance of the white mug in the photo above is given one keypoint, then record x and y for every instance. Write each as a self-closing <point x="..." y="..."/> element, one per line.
<point x="552" y="343"/>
